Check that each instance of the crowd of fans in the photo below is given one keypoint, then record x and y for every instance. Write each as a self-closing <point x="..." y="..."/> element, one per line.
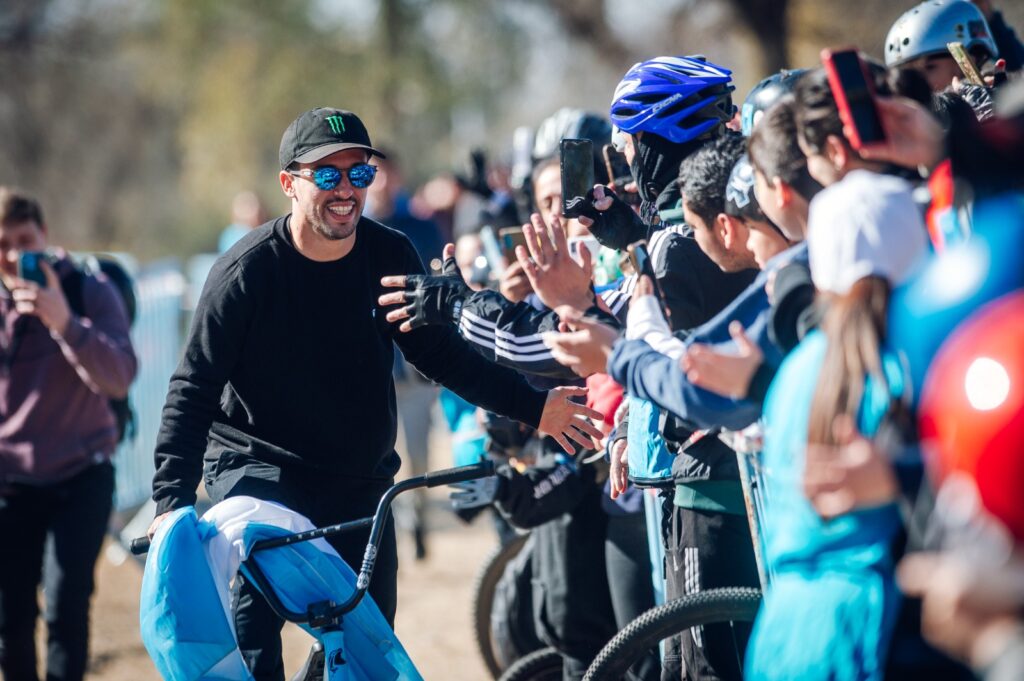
<point x="740" y="272"/>
<point x="851" y="308"/>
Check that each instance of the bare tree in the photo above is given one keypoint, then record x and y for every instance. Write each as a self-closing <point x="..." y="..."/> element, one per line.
<point x="764" y="20"/>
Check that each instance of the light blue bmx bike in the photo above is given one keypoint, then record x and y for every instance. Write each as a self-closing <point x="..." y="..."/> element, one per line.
<point x="353" y="642"/>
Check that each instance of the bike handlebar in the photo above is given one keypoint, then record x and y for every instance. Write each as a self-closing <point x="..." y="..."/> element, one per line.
<point x="376" y="523"/>
<point x="139" y="546"/>
<point x="450" y="476"/>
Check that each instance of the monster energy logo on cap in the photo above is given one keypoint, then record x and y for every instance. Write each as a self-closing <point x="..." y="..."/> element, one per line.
<point x="321" y="132"/>
<point x="337" y="124"/>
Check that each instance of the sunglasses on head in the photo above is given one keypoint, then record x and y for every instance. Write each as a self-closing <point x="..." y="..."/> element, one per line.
<point x="328" y="177"/>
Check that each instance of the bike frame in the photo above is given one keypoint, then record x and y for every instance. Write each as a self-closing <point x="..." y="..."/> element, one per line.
<point x="327" y="617"/>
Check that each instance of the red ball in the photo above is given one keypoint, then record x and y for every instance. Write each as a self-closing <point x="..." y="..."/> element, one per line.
<point x="972" y="408"/>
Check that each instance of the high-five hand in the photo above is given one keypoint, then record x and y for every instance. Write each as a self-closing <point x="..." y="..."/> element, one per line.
<point x="556" y="278"/>
<point x="565" y="420"/>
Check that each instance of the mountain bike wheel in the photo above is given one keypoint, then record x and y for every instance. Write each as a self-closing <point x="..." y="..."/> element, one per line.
<point x="731" y="604"/>
<point x="483" y="598"/>
<point x="540" y="665"/>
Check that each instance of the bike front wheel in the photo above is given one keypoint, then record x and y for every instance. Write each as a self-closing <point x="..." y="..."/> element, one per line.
<point x="716" y="606"/>
<point x="540" y="665"/>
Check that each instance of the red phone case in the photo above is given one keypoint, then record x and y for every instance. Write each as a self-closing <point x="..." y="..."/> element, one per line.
<point x="836" y="85"/>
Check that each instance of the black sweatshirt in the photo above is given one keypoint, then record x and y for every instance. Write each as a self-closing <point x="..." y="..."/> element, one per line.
<point x="289" y="361"/>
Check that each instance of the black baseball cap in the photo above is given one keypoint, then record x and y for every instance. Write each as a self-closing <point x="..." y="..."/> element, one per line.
<point x="321" y="132"/>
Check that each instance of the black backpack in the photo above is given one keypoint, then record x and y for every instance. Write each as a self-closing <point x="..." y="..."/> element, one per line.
<point x="72" y="285"/>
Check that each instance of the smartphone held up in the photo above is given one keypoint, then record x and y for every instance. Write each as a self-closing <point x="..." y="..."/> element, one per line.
<point x="577" y="166"/>
<point x="966" y="64"/>
<point x="640" y="262"/>
<point x="850" y="82"/>
<point x="30" y="268"/>
<point x="509" y="238"/>
<point x="618" y="170"/>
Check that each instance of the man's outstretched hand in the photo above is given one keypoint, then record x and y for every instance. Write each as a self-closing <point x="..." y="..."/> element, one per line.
<point x="426" y="299"/>
<point x="565" y="420"/>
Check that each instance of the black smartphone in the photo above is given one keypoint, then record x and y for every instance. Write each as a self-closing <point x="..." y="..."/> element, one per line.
<point x="577" y="165"/>
<point x="641" y="263"/>
<point x="509" y="238"/>
<point x="29" y="269"/>
<point x="854" y="95"/>
<point x="618" y="170"/>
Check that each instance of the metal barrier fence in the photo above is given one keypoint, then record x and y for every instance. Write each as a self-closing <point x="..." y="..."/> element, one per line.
<point x="157" y="337"/>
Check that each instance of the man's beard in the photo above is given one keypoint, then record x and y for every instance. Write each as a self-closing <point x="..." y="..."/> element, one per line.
<point x="320" y="226"/>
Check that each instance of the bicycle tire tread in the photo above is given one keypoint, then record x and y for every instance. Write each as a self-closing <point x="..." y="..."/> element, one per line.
<point x="539" y="665"/>
<point x="640" y="635"/>
<point x="487" y="578"/>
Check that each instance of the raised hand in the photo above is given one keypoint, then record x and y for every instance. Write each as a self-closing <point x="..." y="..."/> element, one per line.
<point x="514" y="284"/>
<point x="644" y="287"/>
<point x="585" y="344"/>
<point x="556" y="278"/>
<point x="723" y="373"/>
<point x="611" y="220"/>
<point x="45" y="302"/>
<point x="913" y="136"/>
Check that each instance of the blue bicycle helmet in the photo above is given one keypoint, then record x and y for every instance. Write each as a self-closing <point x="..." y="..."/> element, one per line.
<point x="678" y="98"/>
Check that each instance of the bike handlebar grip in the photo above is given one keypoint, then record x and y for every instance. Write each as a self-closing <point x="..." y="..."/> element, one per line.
<point x="139" y="546"/>
<point x="461" y="474"/>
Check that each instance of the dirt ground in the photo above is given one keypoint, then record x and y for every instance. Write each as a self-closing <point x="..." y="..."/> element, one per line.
<point x="434" y="605"/>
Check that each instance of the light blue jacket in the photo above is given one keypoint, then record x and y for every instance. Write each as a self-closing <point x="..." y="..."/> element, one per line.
<point x="831" y="606"/>
<point x="652" y="376"/>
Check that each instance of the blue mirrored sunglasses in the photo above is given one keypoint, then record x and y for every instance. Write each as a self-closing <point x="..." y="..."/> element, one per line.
<point x="328" y="177"/>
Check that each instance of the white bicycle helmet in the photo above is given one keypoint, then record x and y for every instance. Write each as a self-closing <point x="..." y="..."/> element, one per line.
<point x="567" y="123"/>
<point x="925" y="29"/>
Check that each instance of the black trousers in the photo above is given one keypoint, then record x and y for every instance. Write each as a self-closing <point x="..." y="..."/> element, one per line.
<point x="325" y="500"/>
<point x="705" y="550"/>
<point x="572" y="607"/>
<point x="52" y="535"/>
<point x="628" y="563"/>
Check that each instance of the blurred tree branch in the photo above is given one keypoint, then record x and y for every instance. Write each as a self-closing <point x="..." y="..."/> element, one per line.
<point x="767" y="22"/>
<point x="586" y="21"/>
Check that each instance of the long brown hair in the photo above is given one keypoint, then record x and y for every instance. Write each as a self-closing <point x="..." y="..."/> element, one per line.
<point x="855" y="326"/>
